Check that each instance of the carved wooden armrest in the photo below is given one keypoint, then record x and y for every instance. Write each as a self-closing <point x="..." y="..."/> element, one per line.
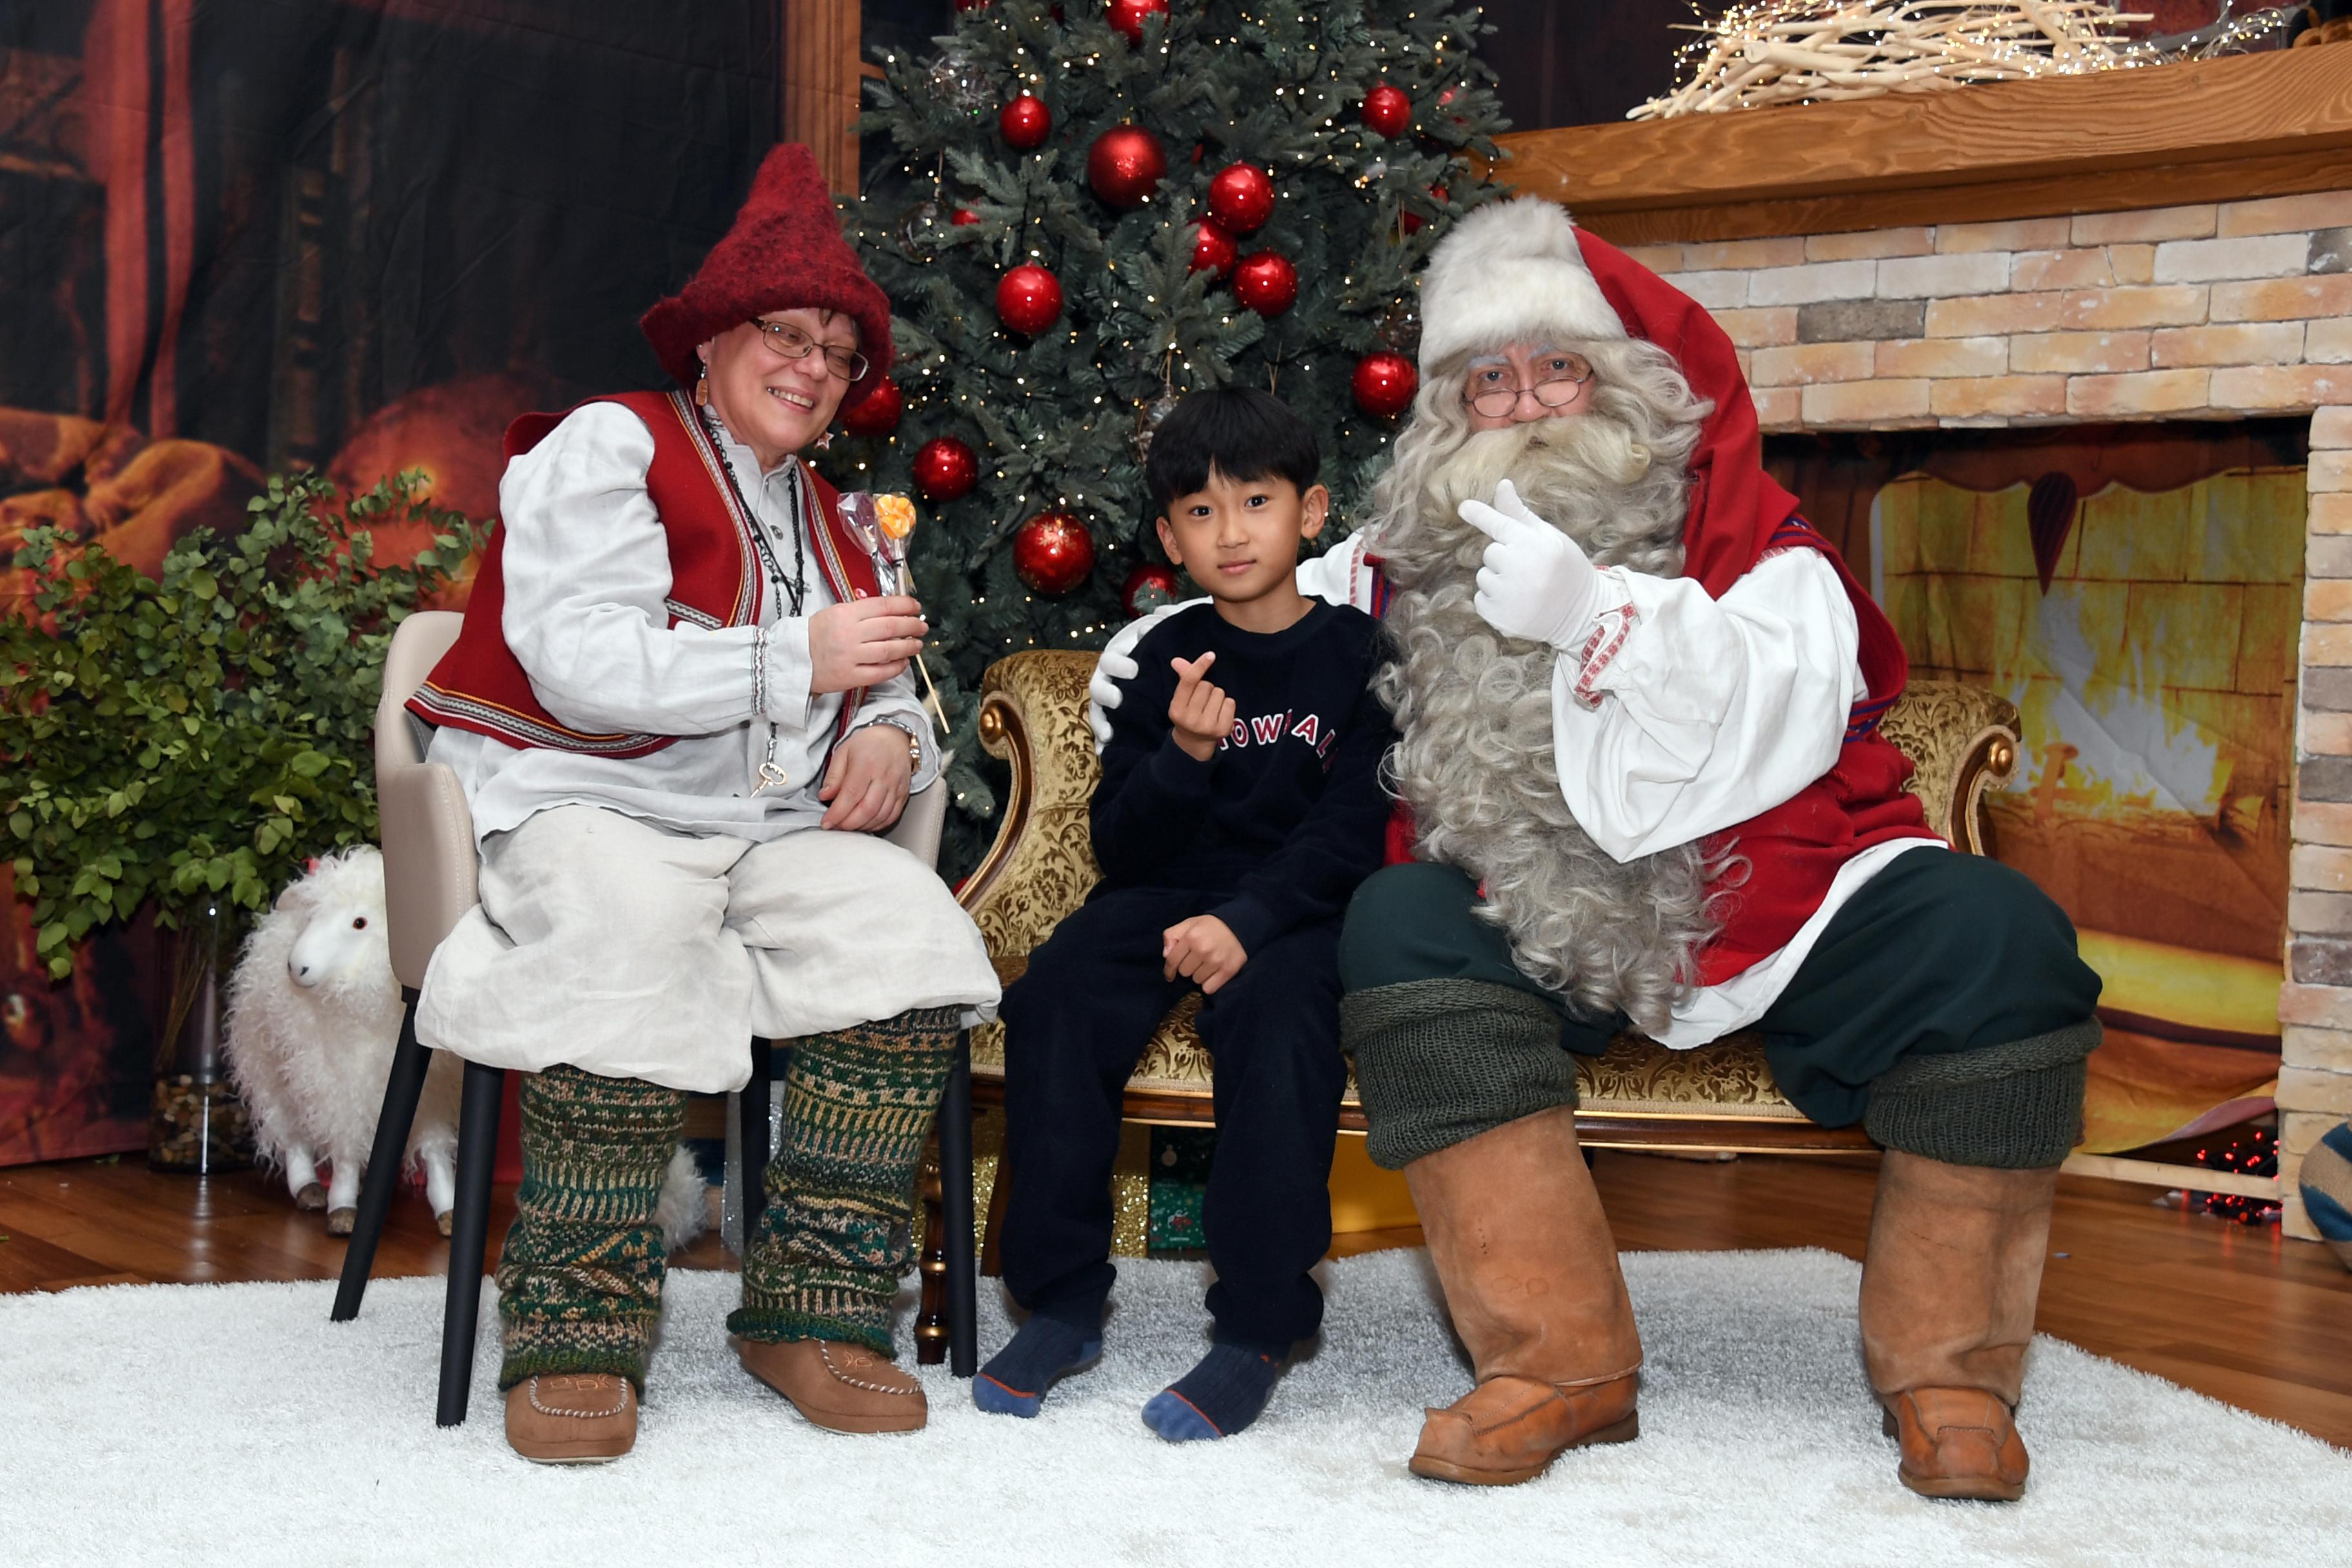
<point x="1961" y="741"/>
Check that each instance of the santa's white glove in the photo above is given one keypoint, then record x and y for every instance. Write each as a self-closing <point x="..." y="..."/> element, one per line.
<point x="1117" y="663"/>
<point x="1534" y="582"/>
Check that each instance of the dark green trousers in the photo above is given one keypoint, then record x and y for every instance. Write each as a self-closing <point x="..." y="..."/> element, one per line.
<point x="1945" y="1007"/>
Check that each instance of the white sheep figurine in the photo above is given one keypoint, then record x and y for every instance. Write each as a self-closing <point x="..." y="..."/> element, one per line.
<point x="313" y="1018"/>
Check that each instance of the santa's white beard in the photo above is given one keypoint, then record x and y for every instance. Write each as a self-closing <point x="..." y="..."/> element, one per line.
<point x="1474" y="711"/>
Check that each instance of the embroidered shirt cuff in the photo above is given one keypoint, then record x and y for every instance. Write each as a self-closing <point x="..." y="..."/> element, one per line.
<point x="1612" y="622"/>
<point x="786" y="669"/>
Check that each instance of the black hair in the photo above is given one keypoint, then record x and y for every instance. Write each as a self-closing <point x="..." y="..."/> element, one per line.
<point x="1237" y="431"/>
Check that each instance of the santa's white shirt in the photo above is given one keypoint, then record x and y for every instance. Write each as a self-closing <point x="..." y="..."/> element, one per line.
<point x="1688" y="715"/>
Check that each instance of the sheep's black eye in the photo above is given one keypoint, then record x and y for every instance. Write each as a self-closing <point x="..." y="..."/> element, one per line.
<point x="360" y="923"/>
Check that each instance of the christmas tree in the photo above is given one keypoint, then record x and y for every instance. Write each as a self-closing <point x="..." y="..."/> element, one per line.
<point x="1089" y="211"/>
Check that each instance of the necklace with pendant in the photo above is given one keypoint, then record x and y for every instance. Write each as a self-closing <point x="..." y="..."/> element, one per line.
<point x="771" y="773"/>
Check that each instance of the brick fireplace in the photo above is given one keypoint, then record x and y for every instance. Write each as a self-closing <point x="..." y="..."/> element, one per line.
<point x="2070" y="252"/>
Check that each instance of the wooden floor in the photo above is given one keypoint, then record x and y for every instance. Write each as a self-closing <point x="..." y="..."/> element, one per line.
<point x="2237" y="1313"/>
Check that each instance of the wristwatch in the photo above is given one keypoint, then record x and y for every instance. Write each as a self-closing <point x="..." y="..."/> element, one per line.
<point x="914" y="742"/>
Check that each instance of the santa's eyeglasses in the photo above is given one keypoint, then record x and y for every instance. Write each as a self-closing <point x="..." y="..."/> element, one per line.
<point x="788" y="341"/>
<point x="1491" y="391"/>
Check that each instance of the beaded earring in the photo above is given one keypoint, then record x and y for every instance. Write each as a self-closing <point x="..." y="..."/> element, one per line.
<point x="702" y="387"/>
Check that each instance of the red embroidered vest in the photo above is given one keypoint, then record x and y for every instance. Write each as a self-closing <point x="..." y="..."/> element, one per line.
<point x="715" y="581"/>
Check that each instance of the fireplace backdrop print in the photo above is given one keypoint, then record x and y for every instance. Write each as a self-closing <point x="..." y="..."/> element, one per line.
<point x="2145" y="626"/>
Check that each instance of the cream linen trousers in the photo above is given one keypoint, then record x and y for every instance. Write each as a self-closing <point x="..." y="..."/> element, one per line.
<point x="631" y="951"/>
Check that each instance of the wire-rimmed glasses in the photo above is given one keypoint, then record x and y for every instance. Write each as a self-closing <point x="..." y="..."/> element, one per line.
<point x="787" y="342"/>
<point x="1493" y="392"/>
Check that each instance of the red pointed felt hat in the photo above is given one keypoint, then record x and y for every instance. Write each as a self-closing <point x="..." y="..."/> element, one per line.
<point x="785" y="252"/>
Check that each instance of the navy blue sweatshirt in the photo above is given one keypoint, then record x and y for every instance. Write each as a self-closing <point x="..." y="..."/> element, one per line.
<point x="1287" y="815"/>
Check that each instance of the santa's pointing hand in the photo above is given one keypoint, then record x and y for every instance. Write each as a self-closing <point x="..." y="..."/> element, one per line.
<point x="1534" y="582"/>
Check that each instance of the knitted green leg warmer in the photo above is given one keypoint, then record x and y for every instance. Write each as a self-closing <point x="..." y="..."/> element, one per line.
<point x="833" y="1241"/>
<point x="1440" y="1061"/>
<point x="580" y="1278"/>
<point x="2013" y="1106"/>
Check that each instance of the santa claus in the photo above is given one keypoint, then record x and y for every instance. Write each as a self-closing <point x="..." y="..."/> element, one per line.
<point x="1643" y="785"/>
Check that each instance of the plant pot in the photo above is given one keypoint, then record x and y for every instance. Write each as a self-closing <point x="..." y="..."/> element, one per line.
<point x="196" y="1123"/>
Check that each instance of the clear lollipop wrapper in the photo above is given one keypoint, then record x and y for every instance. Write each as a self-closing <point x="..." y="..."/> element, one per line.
<point x="883" y="524"/>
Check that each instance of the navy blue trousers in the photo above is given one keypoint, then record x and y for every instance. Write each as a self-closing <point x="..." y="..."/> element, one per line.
<point x="1077" y="1023"/>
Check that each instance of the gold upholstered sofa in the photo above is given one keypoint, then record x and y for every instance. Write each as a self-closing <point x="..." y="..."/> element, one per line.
<point x="1638" y="1095"/>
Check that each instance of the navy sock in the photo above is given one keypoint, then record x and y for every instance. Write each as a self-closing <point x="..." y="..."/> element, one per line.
<point x="1015" y="1380"/>
<point x="1219" y="1396"/>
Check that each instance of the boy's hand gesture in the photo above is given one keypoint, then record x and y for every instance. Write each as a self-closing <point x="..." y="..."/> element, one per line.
<point x="1204" y="950"/>
<point x="1203" y="715"/>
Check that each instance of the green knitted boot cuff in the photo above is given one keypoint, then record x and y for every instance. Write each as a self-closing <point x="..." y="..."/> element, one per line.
<point x="580" y="1277"/>
<point x="833" y="1239"/>
<point x="1439" y="1061"/>
<point x="2015" y="1107"/>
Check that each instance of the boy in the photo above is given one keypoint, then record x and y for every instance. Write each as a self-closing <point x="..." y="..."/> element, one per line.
<point x="1240" y="805"/>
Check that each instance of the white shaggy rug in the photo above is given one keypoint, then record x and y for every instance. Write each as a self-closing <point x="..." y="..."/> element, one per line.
<point x="234" y="1424"/>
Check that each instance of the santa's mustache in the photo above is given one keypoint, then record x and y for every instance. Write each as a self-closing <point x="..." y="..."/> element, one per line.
<point x="1580" y="454"/>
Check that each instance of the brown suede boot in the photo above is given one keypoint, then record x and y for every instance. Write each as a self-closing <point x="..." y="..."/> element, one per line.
<point x="571" y="1418"/>
<point x="1530" y="1273"/>
<point x="841" y="1387"/>
<point x="1947" y="1292"/>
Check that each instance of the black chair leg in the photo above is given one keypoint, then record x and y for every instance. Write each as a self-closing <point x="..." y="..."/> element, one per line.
<point x="955" y="1212"/>
<point x="469" y="1235"/>
<point x="752" y="1110"/>
<point x="409" y="1061"/>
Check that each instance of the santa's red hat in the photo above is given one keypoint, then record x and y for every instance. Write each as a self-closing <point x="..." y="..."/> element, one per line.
<point x="784" y="252"/>
<point x="1522" y="271"/>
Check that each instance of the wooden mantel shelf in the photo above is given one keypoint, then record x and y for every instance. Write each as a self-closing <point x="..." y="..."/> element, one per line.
<point x="2251" y="125"/>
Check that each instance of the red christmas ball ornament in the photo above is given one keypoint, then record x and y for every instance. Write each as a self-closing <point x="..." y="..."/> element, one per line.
<point x="946" y="470"/>
<point x="1026" y="123"/>
<point x="1128" y="15"/>
<point x="972" y="4"/>
<point x="1124" y="164"/>
<point x="1148" y="587"/>
<point x="962" y="216"/>
<point x="1052" y="552"/>
<point x="1384" y="383"/>
<point x="1240" y="196"/>
<point x="1388" y="111"/>
<point x="1266" y="282"/>
<point x="1029" y="298"/>
<point x="1212" y="249"/>
<point x="878" y="414"/>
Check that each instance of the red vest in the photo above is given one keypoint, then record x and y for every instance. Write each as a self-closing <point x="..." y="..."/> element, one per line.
<point x="715" y="581"/>
<point x="1794" y="850"/>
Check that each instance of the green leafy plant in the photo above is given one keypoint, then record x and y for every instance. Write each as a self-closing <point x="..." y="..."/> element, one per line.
<point x="190" y="741"/>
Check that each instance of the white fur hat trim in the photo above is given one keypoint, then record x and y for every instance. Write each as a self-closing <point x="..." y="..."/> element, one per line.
<point x="1509" y="271"/>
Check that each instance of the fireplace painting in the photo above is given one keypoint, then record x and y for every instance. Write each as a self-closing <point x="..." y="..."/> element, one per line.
<point x="2148" y="638"/>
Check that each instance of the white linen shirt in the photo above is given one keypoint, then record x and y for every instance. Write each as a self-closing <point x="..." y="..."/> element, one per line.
<point x="586" y="568"/>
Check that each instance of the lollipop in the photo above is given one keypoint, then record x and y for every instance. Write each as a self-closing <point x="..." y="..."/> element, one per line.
<point x="883" y="523"/>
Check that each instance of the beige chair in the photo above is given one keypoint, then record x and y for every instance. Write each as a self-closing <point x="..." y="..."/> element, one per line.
<point x="1638" y="1095"/>
<point x="430" y="875"/>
